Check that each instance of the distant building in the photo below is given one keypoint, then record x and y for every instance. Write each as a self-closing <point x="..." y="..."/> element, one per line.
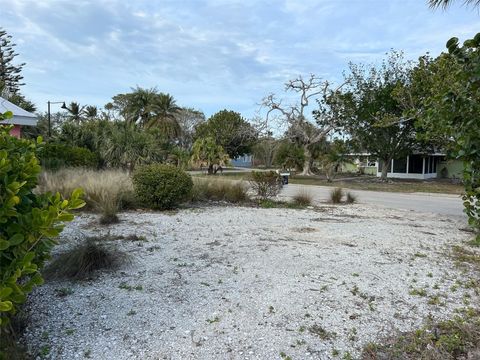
<point x="20" y="117"/>
<point x="243" y="161"/>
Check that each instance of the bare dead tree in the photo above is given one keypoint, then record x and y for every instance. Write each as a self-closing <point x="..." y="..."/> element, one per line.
<point x="301" y="130"/>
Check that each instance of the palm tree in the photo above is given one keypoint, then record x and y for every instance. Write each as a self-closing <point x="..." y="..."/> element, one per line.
<point x="76" y="112"/>
<point x="91" y="112"/>
<point x="164" y="118"/>
<point x="445" y="3"/>
<point x="139" y="105"/>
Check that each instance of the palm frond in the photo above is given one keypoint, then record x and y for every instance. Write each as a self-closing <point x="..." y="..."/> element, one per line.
<point x="445" y="3"/>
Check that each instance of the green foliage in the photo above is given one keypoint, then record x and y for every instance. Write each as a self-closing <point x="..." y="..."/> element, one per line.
<point x="229" y="130"/>
<point x="452" y="107"/>
<point x="161" y="187"/>
<point x="10" y="73"/>
<point x="289" y="155"/>
<point x="206" y="152"/>
<point x="55" y="156"/>
<point x="29" y="222"/>
<point x="372" y="113"/>
<point x="265" y="184"/>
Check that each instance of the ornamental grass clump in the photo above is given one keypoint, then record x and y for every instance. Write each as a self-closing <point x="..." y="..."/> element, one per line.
<point x="303" y="198"/>
<point x="219" y="190"/>
<point x="336" y="195"/>
<point x="84" y="260"/>
<point x="162" y="187"/>
<point x="106" y="191"/>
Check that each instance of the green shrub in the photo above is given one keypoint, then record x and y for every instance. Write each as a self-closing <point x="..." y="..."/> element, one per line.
<point x="162" y="187"/>
<point x="336" y="195"/>
<point x="265" y="184"/>
<point x="55" y="156"/>
<point x="29" y="222"/>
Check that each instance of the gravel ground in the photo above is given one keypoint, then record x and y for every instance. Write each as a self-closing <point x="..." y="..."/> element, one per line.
<point x="246" y="283"/>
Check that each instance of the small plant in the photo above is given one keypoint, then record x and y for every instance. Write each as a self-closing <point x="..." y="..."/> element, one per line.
<point x="336" y="195"/>
<point x="303" y="198"/>
<point x="351" y="198"/>
<point x="214" y="320"/>
<point x="321" y="332"/>
<point x="265" y="184"/>
<point x="161" y="186"/>
<point x="418" y="292"/>
<point x="63" y="292"/>
<point x="131" y="312"/>
<point x="82" y="261"/>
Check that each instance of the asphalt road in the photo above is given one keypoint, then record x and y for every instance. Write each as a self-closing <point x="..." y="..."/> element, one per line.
<point x="443" y="204"/>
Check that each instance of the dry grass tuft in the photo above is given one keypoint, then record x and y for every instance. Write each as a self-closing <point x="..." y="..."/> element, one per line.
<point x="106" y="191"/>
<point x="303" y="198"/>
<point x="336" y="195"/>
<point x="351" y="198"/>
<point x="219" y="190"/>
<point x="82" y="261"/>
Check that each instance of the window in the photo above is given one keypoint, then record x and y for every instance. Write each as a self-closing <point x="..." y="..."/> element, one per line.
<point x="400" y="165"/>
<point x="415" y="164"/>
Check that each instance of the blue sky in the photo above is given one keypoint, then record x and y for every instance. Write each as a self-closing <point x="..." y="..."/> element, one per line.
<point x="212" y="54"/>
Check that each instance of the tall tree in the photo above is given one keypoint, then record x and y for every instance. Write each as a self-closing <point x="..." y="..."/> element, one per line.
<point x="188" y="119"/>
<point x="451" y="106"/>
<point x="91" y="112"/>
<point x="148" y="108"/>
<point x="301" y="129"/>
<point x="230" y="130"/>
<point x="10" y="73"/>
<point x="370" y="112"/>
<point x="75" y="112"/>
<point x="207" y="152"/>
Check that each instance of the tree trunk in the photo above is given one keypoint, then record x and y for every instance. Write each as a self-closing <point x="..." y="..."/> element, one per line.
<point x="307" y="163"/>
<point x="210" y="169"/>
<point x="385" y="165"/>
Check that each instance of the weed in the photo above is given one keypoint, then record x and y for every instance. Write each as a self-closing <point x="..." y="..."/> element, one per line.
<point x="335" y="352"/>
<point x="271" y="309"/>
<point x="62" y="292"/>
<point x="70" y="331"/>
<point x="355" y="274"/>
<point x="419" y="255"/>
<point x="125" y="286"/>
<point x="131" y="312"/>
<point x="285" y="356"/>
<point x="214" y="320"/>
<point x="83" y="260"/>
<point x="87" y="353"/>
<point x="336" y="195"/>
<point x="458" y="338"/>
<point x="321" y="332"/>
<point x="418" y="292"/>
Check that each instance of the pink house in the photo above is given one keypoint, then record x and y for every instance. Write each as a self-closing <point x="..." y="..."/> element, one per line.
<point x="20" y="117"/>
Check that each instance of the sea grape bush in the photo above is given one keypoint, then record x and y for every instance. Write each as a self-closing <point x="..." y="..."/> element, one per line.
<point x="29" y="223"/>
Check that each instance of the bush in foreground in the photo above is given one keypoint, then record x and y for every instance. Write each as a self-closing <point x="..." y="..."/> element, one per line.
<point x="29" y="222"/>
<point x="162" y="187"/>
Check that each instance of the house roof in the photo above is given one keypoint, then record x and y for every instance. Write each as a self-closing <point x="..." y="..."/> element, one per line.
<point x="20" y="116"/>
